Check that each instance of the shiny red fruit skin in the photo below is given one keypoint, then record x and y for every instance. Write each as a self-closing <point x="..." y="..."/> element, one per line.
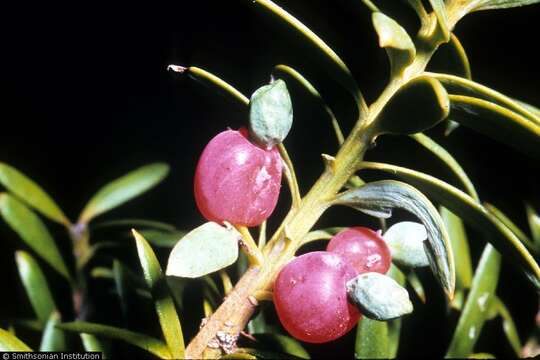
<point x="363" y="248"/>
<point x="237" y="181"/>
<point x="311" y="298"/>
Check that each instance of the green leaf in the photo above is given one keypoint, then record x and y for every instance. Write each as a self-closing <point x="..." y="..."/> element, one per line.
<point x="131" y="223"/>
<point x="425" y="103"/>
<point x="379" y="297"/>
<point x="470" y="211"/>
<point x="123" y="287"/>
<point x="145" y="342"/>
<point x="440" y="11"/>
<point x="338" y="67"/>
<point x="378" y="198"/>
<point x="9" y="342"/>
<point x="509" y="326"/>
<point x="124" y="189"/>
<point x="481" y="356"/>
<point x="497" y="122"/>
<point x="406" y="242"/>
<point x="501" y="4"/>
<point x="399" y="46"/>
<point x="292" y="73"/>
<point x="257" y="324"/>
<point x="417" y="286"/>
<point x="460" y="247"/>
<point x="53" y="339"/>
<point x="30" y="324"/>
<point x="32" y="231"/>
<point x="448" y="160"/>
<point x="460" y="86"/>
<point x="92" y="343"/>
<point x="283" y="344"/>
<point x="533" y="109"/>
<point x="459" y="64"/>
<point x="162" y="238"/>
<point x="458" y="57"/>
<point x="245" y="353"/>
<point x="168" y="318"/>
<point x="208" y="248"/>
<point x="371" y="339"/>
<point x="36" y="286"/>
<point x="31" y="193"/>
<point x="477" y="305"/>
<point x="240" y="355"/>
<point x="510" y="225"/>
<point x="270" y="114"/>
<point x="534" y="225"/>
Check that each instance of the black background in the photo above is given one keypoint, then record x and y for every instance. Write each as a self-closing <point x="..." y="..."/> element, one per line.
<point x="86" y="97"/>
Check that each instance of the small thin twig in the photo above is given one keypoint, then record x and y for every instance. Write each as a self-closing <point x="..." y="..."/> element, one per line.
<point x="290" y="175"/>
<point x="253" y="253"/>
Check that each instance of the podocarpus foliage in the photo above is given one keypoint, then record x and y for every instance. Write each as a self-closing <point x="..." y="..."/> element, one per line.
<point x="427" y="99"/>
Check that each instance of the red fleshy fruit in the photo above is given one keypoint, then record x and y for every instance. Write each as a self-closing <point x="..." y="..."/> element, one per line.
<point x="310" y="297"/>
<point x="363" y="248"/>
<point x="237" y="181"/>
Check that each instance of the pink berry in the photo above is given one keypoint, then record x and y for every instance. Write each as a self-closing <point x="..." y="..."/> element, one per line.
<point x="237" y="181"/>
<point x="363" y="248"/>
<point x="310" y="297"/>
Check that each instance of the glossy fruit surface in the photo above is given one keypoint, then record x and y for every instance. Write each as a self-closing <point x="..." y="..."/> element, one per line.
<point x="237" y="181"/>
<point x="310" y="297"/>
<point x="364" y="248"/>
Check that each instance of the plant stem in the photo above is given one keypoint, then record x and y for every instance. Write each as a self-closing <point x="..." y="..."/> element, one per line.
<point x="240" y="304"/>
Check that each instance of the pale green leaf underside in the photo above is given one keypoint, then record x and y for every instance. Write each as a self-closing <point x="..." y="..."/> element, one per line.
<point x="36" y="286"/>
<point x="32" y="231"/>
<point x="206" y="249"/>
<point x="497" y="122"/>
<point x="31" y="193"/>
<point x="470" y="211"/>
<point x="145" y="342"/>
<point x="476" y="307"/>
<point x="9" y="342"/>
<point x="165" y="308"/>
<point x="378" y="198"/>
<point x="124" y="189"/>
